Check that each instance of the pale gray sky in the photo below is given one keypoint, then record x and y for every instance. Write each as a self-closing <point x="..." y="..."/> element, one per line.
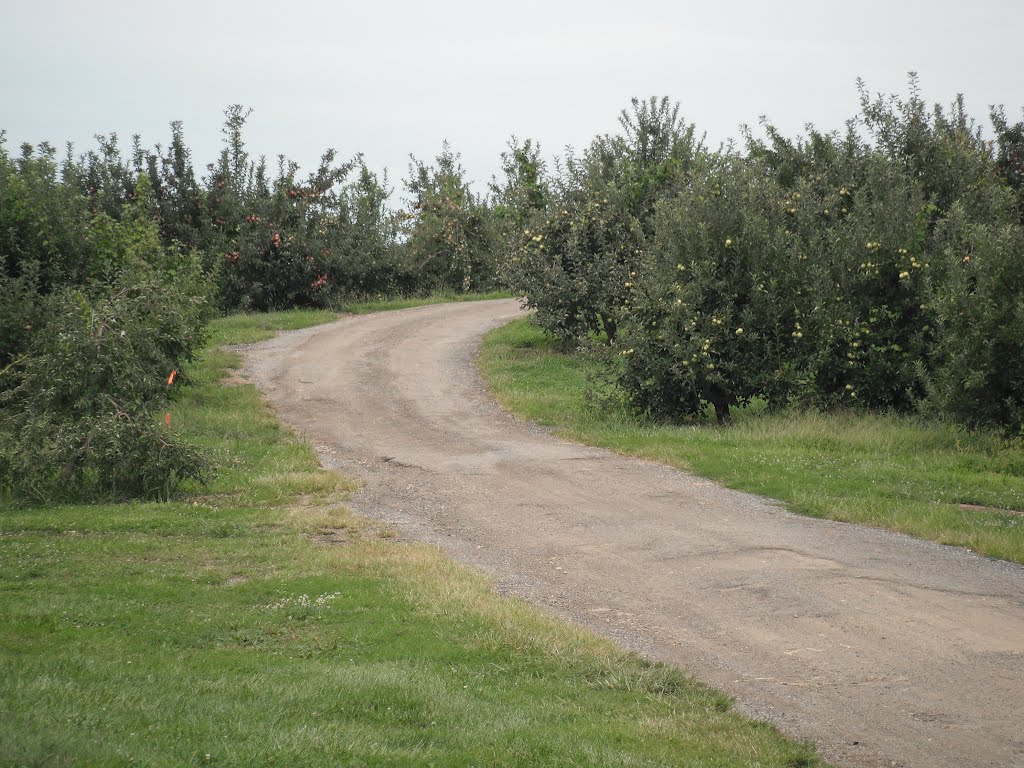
<point x="391" y="78"/>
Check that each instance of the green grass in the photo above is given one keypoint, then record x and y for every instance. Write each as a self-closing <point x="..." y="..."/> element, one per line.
<point x="897" y="473"/>
<point x="256" y="622"/>
<point x="446" y="297"/>
<point x="249" y="327"/>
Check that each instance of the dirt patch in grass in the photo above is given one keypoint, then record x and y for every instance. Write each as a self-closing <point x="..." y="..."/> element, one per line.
<point x="990" y="510"/>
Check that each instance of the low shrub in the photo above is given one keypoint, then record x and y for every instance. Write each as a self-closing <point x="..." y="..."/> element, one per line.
<point x="111" y="454"/>
<point x="83" y="418"/>
<point x="90" y="339"/>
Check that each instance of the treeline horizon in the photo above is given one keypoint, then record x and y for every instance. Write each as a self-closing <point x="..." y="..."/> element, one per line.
<point x="878" y="268"/>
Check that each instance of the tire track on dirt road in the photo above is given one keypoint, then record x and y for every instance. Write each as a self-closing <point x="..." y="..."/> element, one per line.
<point x="882" y="649"/>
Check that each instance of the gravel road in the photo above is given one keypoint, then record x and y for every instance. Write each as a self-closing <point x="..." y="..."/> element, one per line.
<point x="884" y="650"/>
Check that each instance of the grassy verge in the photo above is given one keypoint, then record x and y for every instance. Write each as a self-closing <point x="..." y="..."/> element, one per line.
<point x="257" y="622"/>
<point x="249" y="327"/>
<point x="378" y="305"/>
<point x="937" y="482"/>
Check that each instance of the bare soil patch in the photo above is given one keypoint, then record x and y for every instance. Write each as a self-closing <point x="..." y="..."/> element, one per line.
<point x="997" y="510"/>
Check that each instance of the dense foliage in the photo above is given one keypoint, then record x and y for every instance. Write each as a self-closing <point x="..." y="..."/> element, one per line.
<point x="110" y="267"/>
<point x="578" y="256"/>
<point x="270" y="239"/>
<point x="450" y="237"/>
<point x="96" y="316"/>
<point x="881" y="267"/>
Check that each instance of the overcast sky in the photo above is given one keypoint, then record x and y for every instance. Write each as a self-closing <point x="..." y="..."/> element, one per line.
<point x="392" y="78"/>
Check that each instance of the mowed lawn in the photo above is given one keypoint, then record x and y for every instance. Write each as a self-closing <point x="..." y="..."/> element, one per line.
<point x="256" y="622"/>
<point x="934" y="481"/>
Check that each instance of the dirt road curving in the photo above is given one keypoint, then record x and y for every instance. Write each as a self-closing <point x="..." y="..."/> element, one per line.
<point x="882" y="649"/>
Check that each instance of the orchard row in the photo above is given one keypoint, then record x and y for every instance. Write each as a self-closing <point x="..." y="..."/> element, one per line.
<point x="880" y="267"/>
